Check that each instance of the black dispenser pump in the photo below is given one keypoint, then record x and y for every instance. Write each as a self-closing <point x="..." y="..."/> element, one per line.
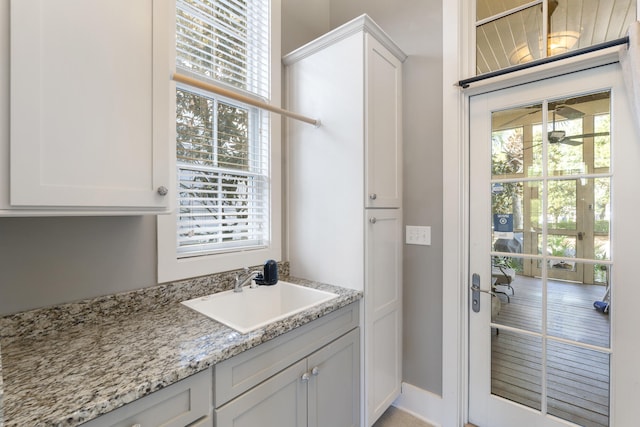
<point x="270" y="274"/>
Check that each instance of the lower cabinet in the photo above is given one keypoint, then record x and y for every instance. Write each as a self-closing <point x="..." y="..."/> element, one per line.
<point x="307" y="377"/>
<point x="334" y="386"/>
<point x="280" y="401"/>
<point x="186" y="402"/>
<point x="319" y="390"/>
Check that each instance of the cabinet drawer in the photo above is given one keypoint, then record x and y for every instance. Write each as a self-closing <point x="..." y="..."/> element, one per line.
<point x="178" y="405"/>
<point x="242" y="372"/>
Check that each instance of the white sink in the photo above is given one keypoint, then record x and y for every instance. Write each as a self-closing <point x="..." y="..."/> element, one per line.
<point x="254" y="308"/>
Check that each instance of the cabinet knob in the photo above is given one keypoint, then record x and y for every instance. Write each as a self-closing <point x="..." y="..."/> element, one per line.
<point x="163" y="191"/>
<point x="315" y="371"/>
<point x="137" y="425"/>
<point x="305" y="377"/>
<point x="373" y="196"/>
<point x="372" y="220"/>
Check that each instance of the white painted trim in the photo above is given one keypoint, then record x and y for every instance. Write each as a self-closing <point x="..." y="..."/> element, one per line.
<point x="544" y="71"/>
<point x="421" y="404"/>
<point x="356" y="25"/>
<point x="452" y="409"/>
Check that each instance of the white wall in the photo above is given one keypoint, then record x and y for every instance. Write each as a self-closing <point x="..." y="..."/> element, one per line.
<point x="303" y="21"/>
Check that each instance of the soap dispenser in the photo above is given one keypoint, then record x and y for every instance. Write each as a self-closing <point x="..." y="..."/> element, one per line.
<point x="270" y="274"/>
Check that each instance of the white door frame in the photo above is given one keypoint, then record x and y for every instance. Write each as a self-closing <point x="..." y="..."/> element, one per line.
<point x="457" y="50"/>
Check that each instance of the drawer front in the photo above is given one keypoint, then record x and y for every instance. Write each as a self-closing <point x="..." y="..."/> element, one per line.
<point x="238" y="374"/>
<point x="178" y="405"/>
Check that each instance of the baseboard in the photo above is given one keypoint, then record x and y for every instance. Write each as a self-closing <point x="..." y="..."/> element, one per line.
<point x="421" y="404"/>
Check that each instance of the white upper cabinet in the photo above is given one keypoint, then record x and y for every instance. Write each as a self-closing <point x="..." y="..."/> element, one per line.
<point x="90" y="107"/>
<point x="383" y="79"/>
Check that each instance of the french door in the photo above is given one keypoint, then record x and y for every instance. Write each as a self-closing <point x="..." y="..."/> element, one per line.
<point x="551" y="246"/>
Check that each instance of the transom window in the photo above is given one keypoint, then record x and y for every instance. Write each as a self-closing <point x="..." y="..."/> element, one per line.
<point x="513" y="32"/>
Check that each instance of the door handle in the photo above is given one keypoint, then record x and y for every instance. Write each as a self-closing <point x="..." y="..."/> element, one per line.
<point x="475" y="292"/>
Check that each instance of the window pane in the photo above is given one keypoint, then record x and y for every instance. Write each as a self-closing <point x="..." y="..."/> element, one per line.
<point x="233" y="137"/>
<point x="222" y="176"/>
<point x="572" y="24"/>
<point x="578" y="219"/>
<point x="219" y="211"/>
<point x="570" y="310"/>
<point x="510" y="40"/>
<point x="562" y="205"/>
<point x="578" y="384"/>
<point x="577" y="131"/>
<point x="516" y="367"/>
<point x="515" y="149"/>
<point x="225" y="42"/>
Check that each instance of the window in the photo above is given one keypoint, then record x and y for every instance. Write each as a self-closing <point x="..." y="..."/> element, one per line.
<point x="221" y="160"/>
<point x="518" y="31"/>
<point x="227" y="165"/>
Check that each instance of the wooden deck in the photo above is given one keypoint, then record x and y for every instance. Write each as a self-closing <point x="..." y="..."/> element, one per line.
<point x="577" y="378"/>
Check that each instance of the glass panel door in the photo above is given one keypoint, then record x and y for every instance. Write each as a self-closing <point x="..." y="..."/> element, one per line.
<point x="540" y="206"/>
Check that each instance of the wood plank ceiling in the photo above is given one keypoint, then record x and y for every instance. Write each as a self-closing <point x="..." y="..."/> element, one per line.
<point x="504" y="39"/>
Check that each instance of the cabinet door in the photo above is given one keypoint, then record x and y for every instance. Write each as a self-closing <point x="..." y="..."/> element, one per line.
<point x="383" y="126"/>
<point x="280" y="401"/>
<point x="334" y="386"/>
<point x="90" y="104"/>
<point x="383" y="310"/>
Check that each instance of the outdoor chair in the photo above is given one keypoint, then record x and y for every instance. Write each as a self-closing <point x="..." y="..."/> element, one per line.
<point x="502" y="275"/>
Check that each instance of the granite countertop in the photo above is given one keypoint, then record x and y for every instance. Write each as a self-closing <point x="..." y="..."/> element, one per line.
<point x="75" y="371"/>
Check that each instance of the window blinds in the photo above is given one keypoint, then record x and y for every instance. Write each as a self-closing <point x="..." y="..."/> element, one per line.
<point x="222" y="146"/>
<point x="226" y="41"/>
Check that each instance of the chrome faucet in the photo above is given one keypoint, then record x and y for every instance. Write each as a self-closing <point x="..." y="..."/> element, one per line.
<point x="250" y="275"/>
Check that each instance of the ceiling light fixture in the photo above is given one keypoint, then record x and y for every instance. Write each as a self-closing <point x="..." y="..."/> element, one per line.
<point x="557" y="43"/>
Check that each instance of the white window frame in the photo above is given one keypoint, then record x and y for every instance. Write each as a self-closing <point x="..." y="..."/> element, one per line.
<point x="170" y="266"/>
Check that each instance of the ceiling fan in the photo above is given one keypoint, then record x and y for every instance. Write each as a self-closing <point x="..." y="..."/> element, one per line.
<point x="560" y="136"/>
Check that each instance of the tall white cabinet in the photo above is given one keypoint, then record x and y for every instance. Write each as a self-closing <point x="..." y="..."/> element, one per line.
<point x="344" y="186"/>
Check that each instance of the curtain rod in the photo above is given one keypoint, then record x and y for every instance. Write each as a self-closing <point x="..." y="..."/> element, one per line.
<point x="466" y="82"/>
<point x="244" y="99"/>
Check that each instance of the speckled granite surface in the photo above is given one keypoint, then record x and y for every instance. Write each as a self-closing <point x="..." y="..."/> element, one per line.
<point x="82" y="360"/>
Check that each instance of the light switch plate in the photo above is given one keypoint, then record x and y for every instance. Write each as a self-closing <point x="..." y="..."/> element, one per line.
<point x="418" y="235"/>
